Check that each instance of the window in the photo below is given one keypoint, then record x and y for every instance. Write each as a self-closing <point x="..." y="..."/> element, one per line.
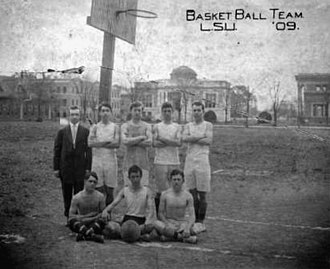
<point x="72" y="102"/>
<point x="210" y="100"/>
<point x="174" y="96"/>
<point x="319" y="110"/>
<point x="77" y="102"/>
<point x="64" y="89"/>
<point x="318" y="88"/>
<point x="147" y="100"/>
<point x="324" y="88"/>
<point x="58" y="89"/>
<point x="64" y="101"/>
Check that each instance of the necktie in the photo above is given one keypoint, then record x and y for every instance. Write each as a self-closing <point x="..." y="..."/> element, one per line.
<point x="74" y="133"/>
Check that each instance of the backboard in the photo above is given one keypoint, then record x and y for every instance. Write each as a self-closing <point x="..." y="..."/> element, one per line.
<point x="104" y="17"/>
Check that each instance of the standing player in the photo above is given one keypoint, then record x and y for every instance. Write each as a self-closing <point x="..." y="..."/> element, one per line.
<point x="198" y="134"/>
<point x="167" y="140"/>
<point x="85" y="212"/>
<point x="176" y="211"/>
<point x="136" y="136"/>
<point x="104" y="139"/>
<point x="72" y="157"/>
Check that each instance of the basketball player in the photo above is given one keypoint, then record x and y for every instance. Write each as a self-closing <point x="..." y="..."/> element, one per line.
<point x="85" y="212"/>
<point x="137" y="137"/>
<point x="139" y="202"/>
<point x="104" y="139"/>
<point x="166" y="140"/>
<point x="198" y="134"/>
<point x="176" y="211"/>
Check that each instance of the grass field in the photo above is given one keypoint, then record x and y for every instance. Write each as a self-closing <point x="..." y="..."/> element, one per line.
<point x="269" y="206"/>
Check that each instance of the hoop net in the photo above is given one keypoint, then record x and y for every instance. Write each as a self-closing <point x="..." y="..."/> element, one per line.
<point x="138" y="13"/>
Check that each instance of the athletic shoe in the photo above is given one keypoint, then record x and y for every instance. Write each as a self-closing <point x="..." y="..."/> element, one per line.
<point x="163" y="238"/>
<point x="80" y="237"/>
<point x="191" y="239"/>
<point x="154" y="235"/>
<point x="196" y="228"/>
<point x="202" y="228"/>
<point x="146" y="237"/>
<point x="97" y="238"/>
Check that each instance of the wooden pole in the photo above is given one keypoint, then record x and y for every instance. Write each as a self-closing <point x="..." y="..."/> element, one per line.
<point x="107" y="67"/>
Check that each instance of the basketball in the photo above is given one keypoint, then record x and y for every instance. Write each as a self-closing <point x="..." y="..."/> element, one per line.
<point x="130" y="231"/>
<point x="112" y="230"/>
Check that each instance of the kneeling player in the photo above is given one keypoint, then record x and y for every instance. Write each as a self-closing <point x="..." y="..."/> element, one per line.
<point x="85" y="212"/>
<point x="174" y="204"/>
<point x="140" y="205"/>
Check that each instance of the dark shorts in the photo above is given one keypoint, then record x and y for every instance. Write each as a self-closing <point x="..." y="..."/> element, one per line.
<point x="138" y="220"/>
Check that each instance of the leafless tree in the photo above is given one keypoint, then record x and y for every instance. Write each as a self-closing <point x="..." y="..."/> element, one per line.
<point x="277" y="98"/>
<point x="242" y="100"/>
<point x="184" y="84"/>
<point x="88" y="94"/>
<point x="36" y="88"/>
<point x="227" y="104"/>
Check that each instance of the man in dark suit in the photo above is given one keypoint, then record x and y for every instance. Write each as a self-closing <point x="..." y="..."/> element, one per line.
<point x="72" y="157"/>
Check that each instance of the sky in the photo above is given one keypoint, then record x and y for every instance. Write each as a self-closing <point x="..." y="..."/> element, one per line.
<point x="40" y="34"/>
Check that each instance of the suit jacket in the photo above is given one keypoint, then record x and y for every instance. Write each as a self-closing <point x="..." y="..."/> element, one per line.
<point x="72" y="161"/>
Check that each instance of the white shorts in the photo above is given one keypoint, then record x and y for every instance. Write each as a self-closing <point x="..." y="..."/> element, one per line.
<point x="144" y="180"/>
<point x="197" y="173"/>
<point x="162" y="174"/>
<point x="106" y="173"/>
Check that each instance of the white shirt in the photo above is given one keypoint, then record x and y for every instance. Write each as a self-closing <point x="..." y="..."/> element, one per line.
<point x="74" y="130"/>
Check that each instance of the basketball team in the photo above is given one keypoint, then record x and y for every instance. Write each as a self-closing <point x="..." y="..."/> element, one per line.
<point x="85" y="161"/>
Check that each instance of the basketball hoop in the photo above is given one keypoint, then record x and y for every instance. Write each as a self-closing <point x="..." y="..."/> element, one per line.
<point x="138" y="13"/>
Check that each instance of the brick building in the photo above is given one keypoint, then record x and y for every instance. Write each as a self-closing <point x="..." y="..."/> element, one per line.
<point x="37" y="96"/>
<point x="313" y="97"/>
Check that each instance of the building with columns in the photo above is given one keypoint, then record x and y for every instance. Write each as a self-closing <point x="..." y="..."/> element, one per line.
<point x="182" y="89"/>
<point x="313" y="97"/>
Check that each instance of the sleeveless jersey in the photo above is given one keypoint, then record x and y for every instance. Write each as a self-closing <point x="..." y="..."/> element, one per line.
<point x="136" y="202"/>
<point x="193" y="148"/>
<point x="135" y="154"/>
<point x="104" y="132"/>
<point x="168" y="155"/>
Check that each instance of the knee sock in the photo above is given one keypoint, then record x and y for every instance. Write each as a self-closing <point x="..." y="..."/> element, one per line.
<point x="202" y="207"/>
<point x="98" y="226"/>
<point x="77" y="227"/>
<point x="109" y="195"/>
<point x="157" y="201"/>
<point x="196" y="202"/>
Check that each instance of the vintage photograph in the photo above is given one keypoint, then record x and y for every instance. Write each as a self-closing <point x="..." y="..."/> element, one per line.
<point x="164" y="134"/>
